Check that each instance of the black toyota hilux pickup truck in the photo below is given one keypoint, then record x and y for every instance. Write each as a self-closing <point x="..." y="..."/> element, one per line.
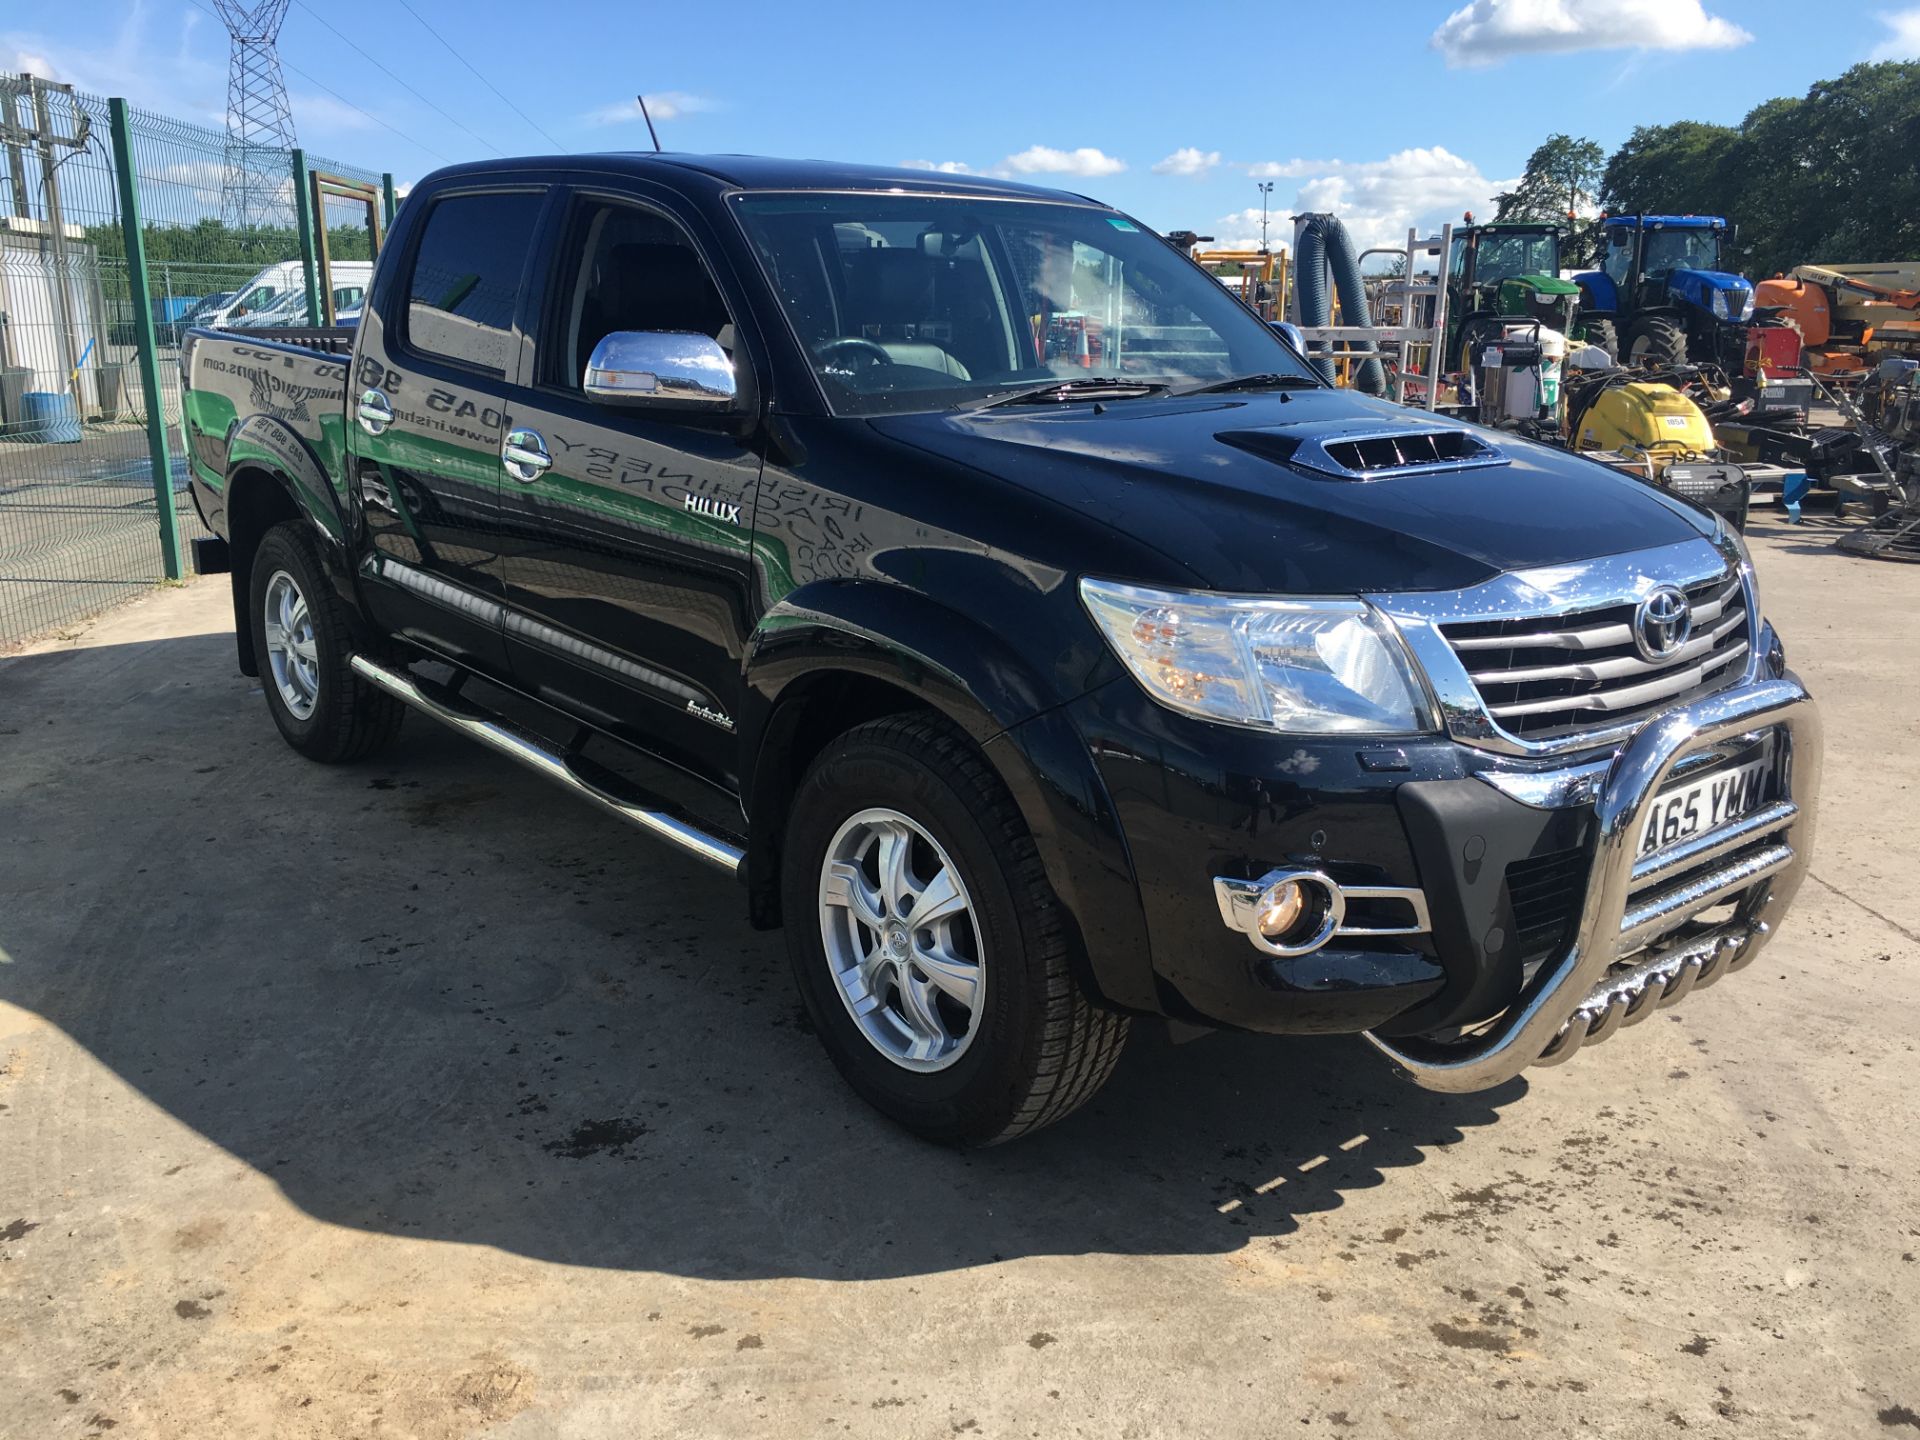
<point x="1017" y="617"/>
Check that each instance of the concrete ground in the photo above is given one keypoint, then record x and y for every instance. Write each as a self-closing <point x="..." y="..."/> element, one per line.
<point x="78" y="528"/>
<point x="414" y="1100"/>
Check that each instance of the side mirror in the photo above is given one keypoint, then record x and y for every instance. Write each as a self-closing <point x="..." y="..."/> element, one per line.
<point x="1290" y="333"/>
<point x="667" y="368"/>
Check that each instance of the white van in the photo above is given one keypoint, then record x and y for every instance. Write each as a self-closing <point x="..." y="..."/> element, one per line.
<point x="276" y="282"/>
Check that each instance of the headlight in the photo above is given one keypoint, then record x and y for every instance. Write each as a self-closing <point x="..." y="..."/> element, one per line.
<point x="1746" y="305"/>
<point x="1717" y="302"/>
<point x="1732" y="539"/>
<point x="1315" y="667"/>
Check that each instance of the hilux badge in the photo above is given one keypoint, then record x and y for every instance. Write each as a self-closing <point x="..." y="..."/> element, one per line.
<point x="1662" y="623"/>
<point x="713" y="509"/>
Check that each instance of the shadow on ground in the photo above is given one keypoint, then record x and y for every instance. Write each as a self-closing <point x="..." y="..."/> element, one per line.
<point x="430" y="997"/>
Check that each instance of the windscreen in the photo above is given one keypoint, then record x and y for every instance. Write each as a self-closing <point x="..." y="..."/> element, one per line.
<point x="1502" y="256"/>
<point x="1682" y="250"/>
<point x="927" y="302"/>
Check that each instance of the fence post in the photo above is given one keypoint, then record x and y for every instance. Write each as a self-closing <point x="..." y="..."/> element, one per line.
<point x="388" y="202"/>
<point x="136" y="247"/>
<point x="303" y="216"/>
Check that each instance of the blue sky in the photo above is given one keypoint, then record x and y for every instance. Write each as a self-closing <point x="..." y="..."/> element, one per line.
<point x="1389" y="113"/>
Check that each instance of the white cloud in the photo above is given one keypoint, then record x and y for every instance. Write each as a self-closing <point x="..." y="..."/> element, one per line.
<point x="1377" y="200"/>
<point x="1487" y="32"/>
<point x="1241" y="230"/>
<point x="667" y="105"/>
<point x="1904" y="42"/>
<point x="945" y="167"/>
<point x="1188" y="161"/>
<point x="1045" y="160"/>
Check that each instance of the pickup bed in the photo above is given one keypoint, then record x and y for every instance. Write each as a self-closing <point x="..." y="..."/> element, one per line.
<point x="1018" y="618"/>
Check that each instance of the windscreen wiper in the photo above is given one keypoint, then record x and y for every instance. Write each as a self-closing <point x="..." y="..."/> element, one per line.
<point x="1266" y="381"/>
<point x="1090" y="387"/>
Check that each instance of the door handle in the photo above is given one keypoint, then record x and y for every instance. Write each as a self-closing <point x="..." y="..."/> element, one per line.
<point x="374" y="413"/>
<point x="525" y="455"/>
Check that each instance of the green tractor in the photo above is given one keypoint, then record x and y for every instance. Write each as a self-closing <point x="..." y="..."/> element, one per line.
<point x="1499" y="273"/>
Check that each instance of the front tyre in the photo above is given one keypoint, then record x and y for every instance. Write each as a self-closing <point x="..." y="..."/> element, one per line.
<point x="302" y="638"/>
<point x="928" y="945"/>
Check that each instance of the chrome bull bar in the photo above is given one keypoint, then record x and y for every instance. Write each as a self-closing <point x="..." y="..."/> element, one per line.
<point x="1580" y="998"/>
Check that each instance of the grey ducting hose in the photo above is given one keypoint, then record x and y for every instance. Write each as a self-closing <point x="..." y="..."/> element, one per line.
<point x="1324" y="246"/>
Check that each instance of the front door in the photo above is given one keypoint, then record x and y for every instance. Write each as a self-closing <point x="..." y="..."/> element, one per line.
<point x="627" y="571"/>
<point x="426" y="400"/>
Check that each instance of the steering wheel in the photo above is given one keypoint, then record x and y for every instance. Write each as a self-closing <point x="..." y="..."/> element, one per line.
<point x="850" y="346"/>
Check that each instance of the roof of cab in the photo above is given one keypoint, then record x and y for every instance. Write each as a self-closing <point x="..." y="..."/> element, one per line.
<point x="761" y="172"/>
<point x="1670" y="222"/>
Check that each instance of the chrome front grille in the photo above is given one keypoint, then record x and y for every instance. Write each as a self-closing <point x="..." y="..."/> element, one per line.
<point x="1545" y="678"/>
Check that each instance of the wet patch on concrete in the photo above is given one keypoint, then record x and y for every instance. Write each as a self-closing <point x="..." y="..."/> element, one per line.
<point x="597" y="1137"/>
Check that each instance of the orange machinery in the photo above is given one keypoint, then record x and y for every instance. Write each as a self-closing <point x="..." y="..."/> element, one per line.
<point x="1848" y="315"/>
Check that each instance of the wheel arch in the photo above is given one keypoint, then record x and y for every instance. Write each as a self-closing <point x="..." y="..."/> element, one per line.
<point x="273" y="475"/>
<point x="821" y="664"/>
<point x="257" y="499"/>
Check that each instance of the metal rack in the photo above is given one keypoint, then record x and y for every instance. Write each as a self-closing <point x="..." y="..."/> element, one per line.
<point x="1397" y="344"/>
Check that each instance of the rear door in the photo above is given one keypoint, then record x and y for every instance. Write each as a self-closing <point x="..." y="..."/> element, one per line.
<point x="426" y="400"/>
<point x="628" y="575"/>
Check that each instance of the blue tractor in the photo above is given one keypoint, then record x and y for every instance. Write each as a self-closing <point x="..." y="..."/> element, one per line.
<point x="1660" y="289"/>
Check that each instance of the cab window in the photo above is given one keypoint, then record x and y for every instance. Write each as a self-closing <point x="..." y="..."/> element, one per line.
<point x="466" y="277"/>
<point x="1619" y="256"/>
<point x="628" y="268"/>
<point x="256" y="298"/>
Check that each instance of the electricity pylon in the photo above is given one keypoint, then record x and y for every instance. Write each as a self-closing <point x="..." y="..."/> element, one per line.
<point x="258" y="189"/>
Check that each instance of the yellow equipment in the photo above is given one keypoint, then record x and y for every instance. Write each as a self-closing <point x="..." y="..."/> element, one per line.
<point x="1643" y="418"/>
<point x="1258" y="277"/>
<point x="1651" y="431"/>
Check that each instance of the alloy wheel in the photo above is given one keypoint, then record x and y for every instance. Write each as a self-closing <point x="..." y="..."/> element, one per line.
<point x="901" y="940"/>
<point x="292" y="654"/>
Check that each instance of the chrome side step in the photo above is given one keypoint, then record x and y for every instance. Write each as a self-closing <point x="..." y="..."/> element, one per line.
<point x="496" y="733"/>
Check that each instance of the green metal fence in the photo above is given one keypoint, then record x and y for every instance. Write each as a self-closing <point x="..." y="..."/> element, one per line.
<point x="94" y="505"/>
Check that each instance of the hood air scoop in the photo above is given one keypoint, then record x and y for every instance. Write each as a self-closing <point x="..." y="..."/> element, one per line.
<point x="1370" y="452"/>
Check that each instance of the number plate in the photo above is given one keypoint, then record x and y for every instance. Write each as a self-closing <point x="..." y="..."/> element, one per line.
<point x="1715" y="799"/>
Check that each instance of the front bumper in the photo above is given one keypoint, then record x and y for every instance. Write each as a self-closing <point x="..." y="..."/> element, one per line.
<point x="1650" y="931"/>
<point x="1543" y="930"/>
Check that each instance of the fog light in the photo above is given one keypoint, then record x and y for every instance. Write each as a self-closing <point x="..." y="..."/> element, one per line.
<point x="1298" y="912"/>
<point x="1282" y="906"/>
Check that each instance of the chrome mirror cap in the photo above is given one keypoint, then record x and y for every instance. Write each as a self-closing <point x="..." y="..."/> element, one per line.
<point x="1290" y="333"/>
<point x="660" y="367"/>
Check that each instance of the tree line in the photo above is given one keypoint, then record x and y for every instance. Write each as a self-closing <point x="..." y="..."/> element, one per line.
<point x="1826" y="178"/>
<point x="213" y="242"/>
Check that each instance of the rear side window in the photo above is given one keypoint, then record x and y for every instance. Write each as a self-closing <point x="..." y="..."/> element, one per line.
<point x="466" y="275"/>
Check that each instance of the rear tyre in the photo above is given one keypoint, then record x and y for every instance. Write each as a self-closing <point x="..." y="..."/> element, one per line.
<point x="1656" y="343"/>
<point x="1602" y="333"/>
<point x="928" y="945"/>
<point x="302" y="635"/>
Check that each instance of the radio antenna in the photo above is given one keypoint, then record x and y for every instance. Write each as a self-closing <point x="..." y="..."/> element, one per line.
<point x="649" y="119"/>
